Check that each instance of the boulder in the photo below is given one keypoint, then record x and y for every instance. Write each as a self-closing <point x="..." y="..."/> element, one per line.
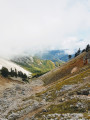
<point x="75" y="69"/>
<point x="13" y="116"/>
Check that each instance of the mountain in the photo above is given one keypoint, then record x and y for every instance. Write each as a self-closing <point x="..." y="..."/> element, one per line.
<point x="34" y="64"/>
<point x="42" y="62"/>
<point x="54" y="55"/>
<point x="65" y="69"/>
<point x="8" y="64"/>
<point x="62" y="93"/>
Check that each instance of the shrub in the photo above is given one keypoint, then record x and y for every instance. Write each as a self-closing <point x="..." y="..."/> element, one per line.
<point x="4" y="72"/>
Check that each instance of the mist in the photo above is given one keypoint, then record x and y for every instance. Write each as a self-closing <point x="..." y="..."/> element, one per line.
<point x="28" y="26"/>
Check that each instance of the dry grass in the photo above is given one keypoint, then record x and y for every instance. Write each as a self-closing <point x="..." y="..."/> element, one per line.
<point x="64" y="70"/>
<point x="76" y="79"/>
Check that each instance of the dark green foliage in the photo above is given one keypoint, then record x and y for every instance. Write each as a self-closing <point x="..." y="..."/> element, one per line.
<point x="69" y="56"/>
<point x="13" y="73"/>
<point x="24" y="77"/>
<point x="78" y="52"/>
<point x="20" y="74"/>
<point x="4" y="72"/>
<point x="38" y="74"/>
<point x="84" y="50"/>
<point x="87" y="48"/>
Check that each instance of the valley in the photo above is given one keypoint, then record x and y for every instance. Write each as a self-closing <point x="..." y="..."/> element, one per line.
<point x="36" y="65"/>
<point x="44" y="59"/>
<point x="59" y="94"/>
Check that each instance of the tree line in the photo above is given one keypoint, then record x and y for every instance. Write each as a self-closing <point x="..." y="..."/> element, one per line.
<point x="13" y="73"/>
<point x="80" y="51"/>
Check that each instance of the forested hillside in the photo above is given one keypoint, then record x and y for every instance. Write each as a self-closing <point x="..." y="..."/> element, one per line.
<point x="35" y="65"/>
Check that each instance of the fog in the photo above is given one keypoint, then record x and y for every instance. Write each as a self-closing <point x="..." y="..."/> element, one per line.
<point x="30" y="26"/>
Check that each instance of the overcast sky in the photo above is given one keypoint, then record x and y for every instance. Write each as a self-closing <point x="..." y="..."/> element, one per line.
<point x="33" y="25"/>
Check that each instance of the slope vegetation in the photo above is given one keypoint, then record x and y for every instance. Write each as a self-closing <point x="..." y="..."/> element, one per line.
<point x="35" y="65"/>
<point x="64" y="95"/>
<point x="8" y="64"/>
<point x="64" y="70"/>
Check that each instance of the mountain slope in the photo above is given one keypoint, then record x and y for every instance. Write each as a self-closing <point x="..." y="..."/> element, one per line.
<point x="54" y="55"/>
<point x="64" y="70"/>
<point x="34" y="64"/>
<point x="8" y="64"/>
<point x="64" y="94"/>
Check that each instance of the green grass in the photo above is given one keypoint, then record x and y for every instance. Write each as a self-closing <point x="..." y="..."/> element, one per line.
<point x="64" y="70"/>
<point x="51" y="91"/>
<point x="69" y="106"/>
<point x="74" y="80"/>
<point x="66" y="107"/>
<point x="38" y="67"/>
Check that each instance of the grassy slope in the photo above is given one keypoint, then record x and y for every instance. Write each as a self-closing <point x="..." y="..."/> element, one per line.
<point x="51" y="95"/>
<point x="67" y="80"/>
<point x="63" y="71"/>
<point x="38" y="67"/>
<point x="78" y="78"/>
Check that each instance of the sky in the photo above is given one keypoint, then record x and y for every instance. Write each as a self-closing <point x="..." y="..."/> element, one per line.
<point x="38" y="25"/>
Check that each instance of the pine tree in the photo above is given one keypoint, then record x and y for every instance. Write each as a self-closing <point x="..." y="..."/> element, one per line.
<point x="4" y="72"/>
<point x="87" y="48"/>
<point x="69" y="56"/>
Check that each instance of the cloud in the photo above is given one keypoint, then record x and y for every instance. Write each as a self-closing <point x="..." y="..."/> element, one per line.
<point x="33" y="26"/>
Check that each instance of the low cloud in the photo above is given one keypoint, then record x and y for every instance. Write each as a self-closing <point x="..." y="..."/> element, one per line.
<point x="31" y="26"/>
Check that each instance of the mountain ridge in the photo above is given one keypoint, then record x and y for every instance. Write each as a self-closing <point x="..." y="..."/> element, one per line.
<point x="54" y="55"/>
<point x="11" y="65"/>
<point x="34" y="64"/>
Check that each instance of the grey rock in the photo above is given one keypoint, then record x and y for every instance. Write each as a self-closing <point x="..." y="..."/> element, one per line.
<point x="13" y="116"/>
<point x="44" y="110"/>
<point x="84" y="91"/>
<point x="17" y="87"/>
<point x="66" y="87"/>
<point x="22" y="92"/>
<point x="27" y="119"/>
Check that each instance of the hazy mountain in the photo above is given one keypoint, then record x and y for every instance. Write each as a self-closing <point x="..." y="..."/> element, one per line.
<point x="41" y="63"/>
<point x="54" y="55"/>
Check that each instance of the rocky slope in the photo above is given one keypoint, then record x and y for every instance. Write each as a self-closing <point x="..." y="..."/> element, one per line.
<point x="65" y="98"/>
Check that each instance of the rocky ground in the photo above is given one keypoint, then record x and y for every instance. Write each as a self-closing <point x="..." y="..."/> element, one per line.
<point x="18" y="99"/>
<point x="65" y="99"/>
